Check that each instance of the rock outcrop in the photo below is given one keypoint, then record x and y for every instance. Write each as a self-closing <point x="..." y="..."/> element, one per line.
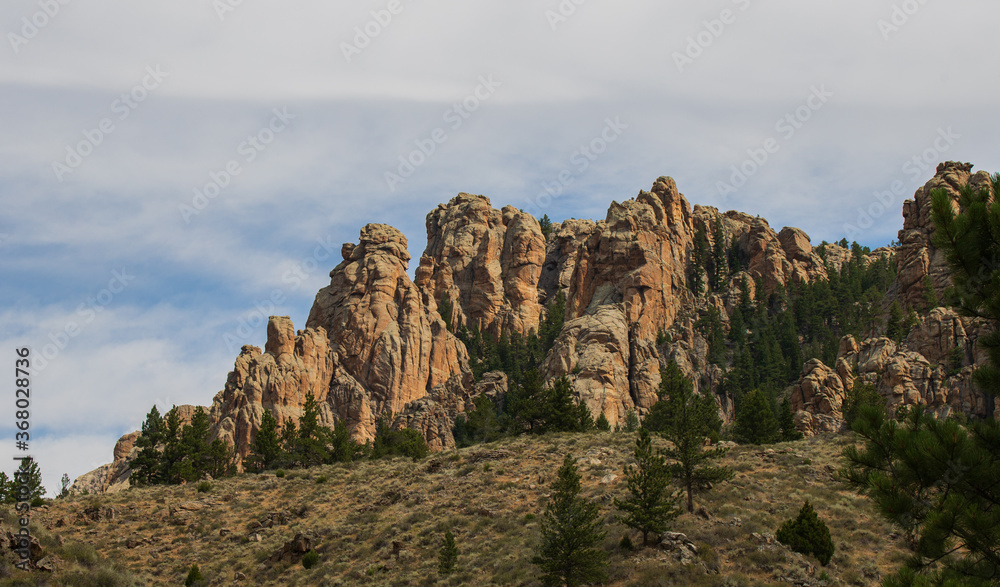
<point x="112" y="477"/>
<point x="918" y="259"/>
<point x="595" y="354"/>
<point x="375" y="343"/>
<point x="637" y="257"/>
<point x="933" y="367"/>
<point x="389" y="348"/>
<point x="485" y="263"/>
<point x="292" y="366"/>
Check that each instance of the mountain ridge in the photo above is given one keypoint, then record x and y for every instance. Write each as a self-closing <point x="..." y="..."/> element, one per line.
<point x="636" y="285"/>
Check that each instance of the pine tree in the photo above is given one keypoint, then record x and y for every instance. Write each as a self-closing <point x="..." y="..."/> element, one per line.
<point x="861" y="396"/>
<point x="807" y="534"/>
<point x="602" y="423"/>
<point x="6" y="489"/>
<point x="404" y="442"/>
<point x="194" y="576"/>
<point x="570" y="534"/>
<point x="973" y="255"/>
<point x="937" y="481"/>
<point x="786" y="422"/>
<point x="448" y="555"/>
<point x="545" y="224"/>
<point x="310" y="448"/>
<point x="555" y="317"/>
<point x="477" y="425"/>
<point x="197" y="448"/>
<point x="445" y="309"/>
<point x="894" y="323"/>
<point x="147" y="466"/>
<point x="710" y="327"/>
<point x="27" y="482"/>
<point x="218" y="460"/>
<point x="289" y="442"/>
<point x="266" y="446"/>
<point x="631" y="421"/>
<point x="173" y="452"/>
<point x="720" y="250"/>
<point x="343" y="448"/>
<point x="934" y="478"/>
<point x="755" y="421"/>
<point x="687" y="419"/>
<point x="931" y="299"/>
<point x="64" y="483"/>
<point x="651" y="504"/>
<point x="561" y="413"/>
<point x="699" y="258"/>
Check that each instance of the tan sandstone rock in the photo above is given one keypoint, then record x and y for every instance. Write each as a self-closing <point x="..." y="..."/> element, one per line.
<point x="485" y="262"/>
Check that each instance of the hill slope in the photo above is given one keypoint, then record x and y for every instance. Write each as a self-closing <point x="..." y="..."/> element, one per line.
<point x="359" y="516"/>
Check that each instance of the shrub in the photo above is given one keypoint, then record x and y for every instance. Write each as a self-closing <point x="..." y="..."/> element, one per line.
<point x="310" y="559"/>
<point x="321" y="479"/>
<point x="280" y="473"/>
<point x="84" y="554"/>
<point x="626" y="543"/>
<point x="448" y="555"/>
<point x="204" y="487"/>
<point x="807" y="534"/>
<point x="193" y="576"/>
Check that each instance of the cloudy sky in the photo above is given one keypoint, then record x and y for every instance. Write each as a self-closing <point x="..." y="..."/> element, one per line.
<point x="170" y="169"/>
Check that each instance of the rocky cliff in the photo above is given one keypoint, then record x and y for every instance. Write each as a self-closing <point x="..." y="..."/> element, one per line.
<point x="933" y="366"/>
<point x="376" y="344"/>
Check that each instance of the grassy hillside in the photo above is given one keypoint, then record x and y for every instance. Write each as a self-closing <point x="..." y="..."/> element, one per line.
<point x="382" y="522"/>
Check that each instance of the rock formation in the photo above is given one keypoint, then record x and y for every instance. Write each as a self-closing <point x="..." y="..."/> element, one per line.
<point x="594" y="353"/>
<point x="638" y="257"/>
<point x="918" y="258"/>
<point x="932" y="367"/>
<point x="486" y="263"/>
<point x="376" y="345"/>
<point x="390" y="348"/>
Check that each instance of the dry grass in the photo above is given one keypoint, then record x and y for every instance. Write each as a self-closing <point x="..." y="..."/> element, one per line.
<point x="490" y="497"/>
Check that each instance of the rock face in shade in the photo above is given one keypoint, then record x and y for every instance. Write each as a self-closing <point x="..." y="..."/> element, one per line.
<point x="485" y="263"/>
<point x="375" y="343"/>
<point x="933" y="367"/>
